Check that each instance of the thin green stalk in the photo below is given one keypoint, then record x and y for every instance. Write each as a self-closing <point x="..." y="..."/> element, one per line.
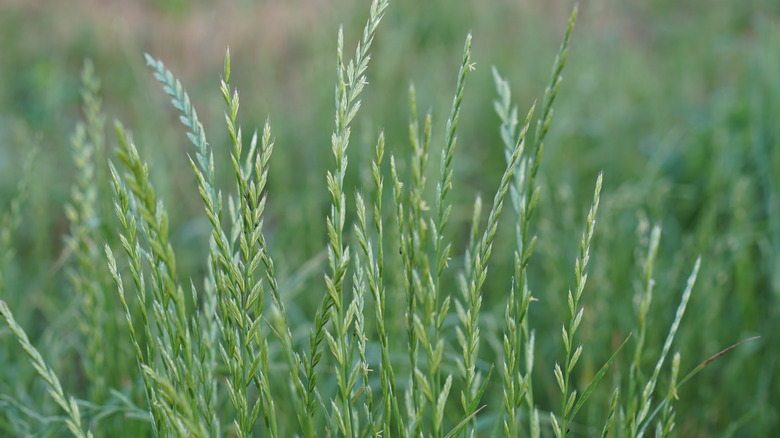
<point x="524" y="194"/>
<point x="515" y="384"/>
<point x="413" y="412"/>
<point x="469" y="334"/>
<point x="687" y="377"/>
<point x="68" y="404"/>
<point x="435" y="318"/>
<point x="181" y="101"/>
<point x="205" y="337"/>
<point x="84" y="213"/>
<point x="155" y="225"/>
<point x="375" y="278"/>
<point x="128" y="238"/>
<point x="528" y="205"/>
<point x="351" y="81"/>
<point x="175" y="344"/>
<point x="613" y="407"/>
<point x="243" y="310"/>
<point x="647" y="392"/>
<point x="575" y="318"/>
<point x="359" y="333"/>
<point x="635" y="372"/>
<point x="238" y="291"/>
<point x="419" y="272"/>
<point x="666" y="422"/>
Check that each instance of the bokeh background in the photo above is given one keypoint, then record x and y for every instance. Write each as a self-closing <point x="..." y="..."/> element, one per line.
<point x="677" y="102"/>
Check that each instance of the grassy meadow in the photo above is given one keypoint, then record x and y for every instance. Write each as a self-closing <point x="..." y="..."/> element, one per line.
<point x="435" y="218"/>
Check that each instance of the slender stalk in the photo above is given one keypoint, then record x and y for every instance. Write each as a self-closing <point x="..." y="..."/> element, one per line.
<point x="83" y="211"/>
<point x="375" y="278"/>
<point x="469" y="334"/>
<point x="524" y="193"/>
<point x="128" y="237"/>
<point x="644" y="306"/>
<point x="68" y="404"/>
<point x="176" y="386"/>
<point x="515" y="384"/>
<point x="647" y="392"/>
<point x="245" y="292"/>
<point x="351" y="81"/>
<point x="436" y="315"/>
<point x="575" y="318"/>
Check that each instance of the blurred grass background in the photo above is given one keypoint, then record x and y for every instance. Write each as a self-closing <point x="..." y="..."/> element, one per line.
<point x="678" y="103"/>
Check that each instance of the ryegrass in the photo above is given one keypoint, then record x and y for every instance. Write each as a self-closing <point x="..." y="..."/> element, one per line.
<point x="68" y="404"/>
<point x="213" y="357"/>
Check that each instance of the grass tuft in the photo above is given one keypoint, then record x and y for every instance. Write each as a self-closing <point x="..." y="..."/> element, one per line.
<point x="252" y="343"/>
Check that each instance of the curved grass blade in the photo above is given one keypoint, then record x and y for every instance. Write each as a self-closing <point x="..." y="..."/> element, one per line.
<point x="596" y="379"/>
<point x="688" y="376"/>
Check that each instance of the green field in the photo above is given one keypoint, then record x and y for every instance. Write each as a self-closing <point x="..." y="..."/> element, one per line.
<point x="394" y="254"/>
